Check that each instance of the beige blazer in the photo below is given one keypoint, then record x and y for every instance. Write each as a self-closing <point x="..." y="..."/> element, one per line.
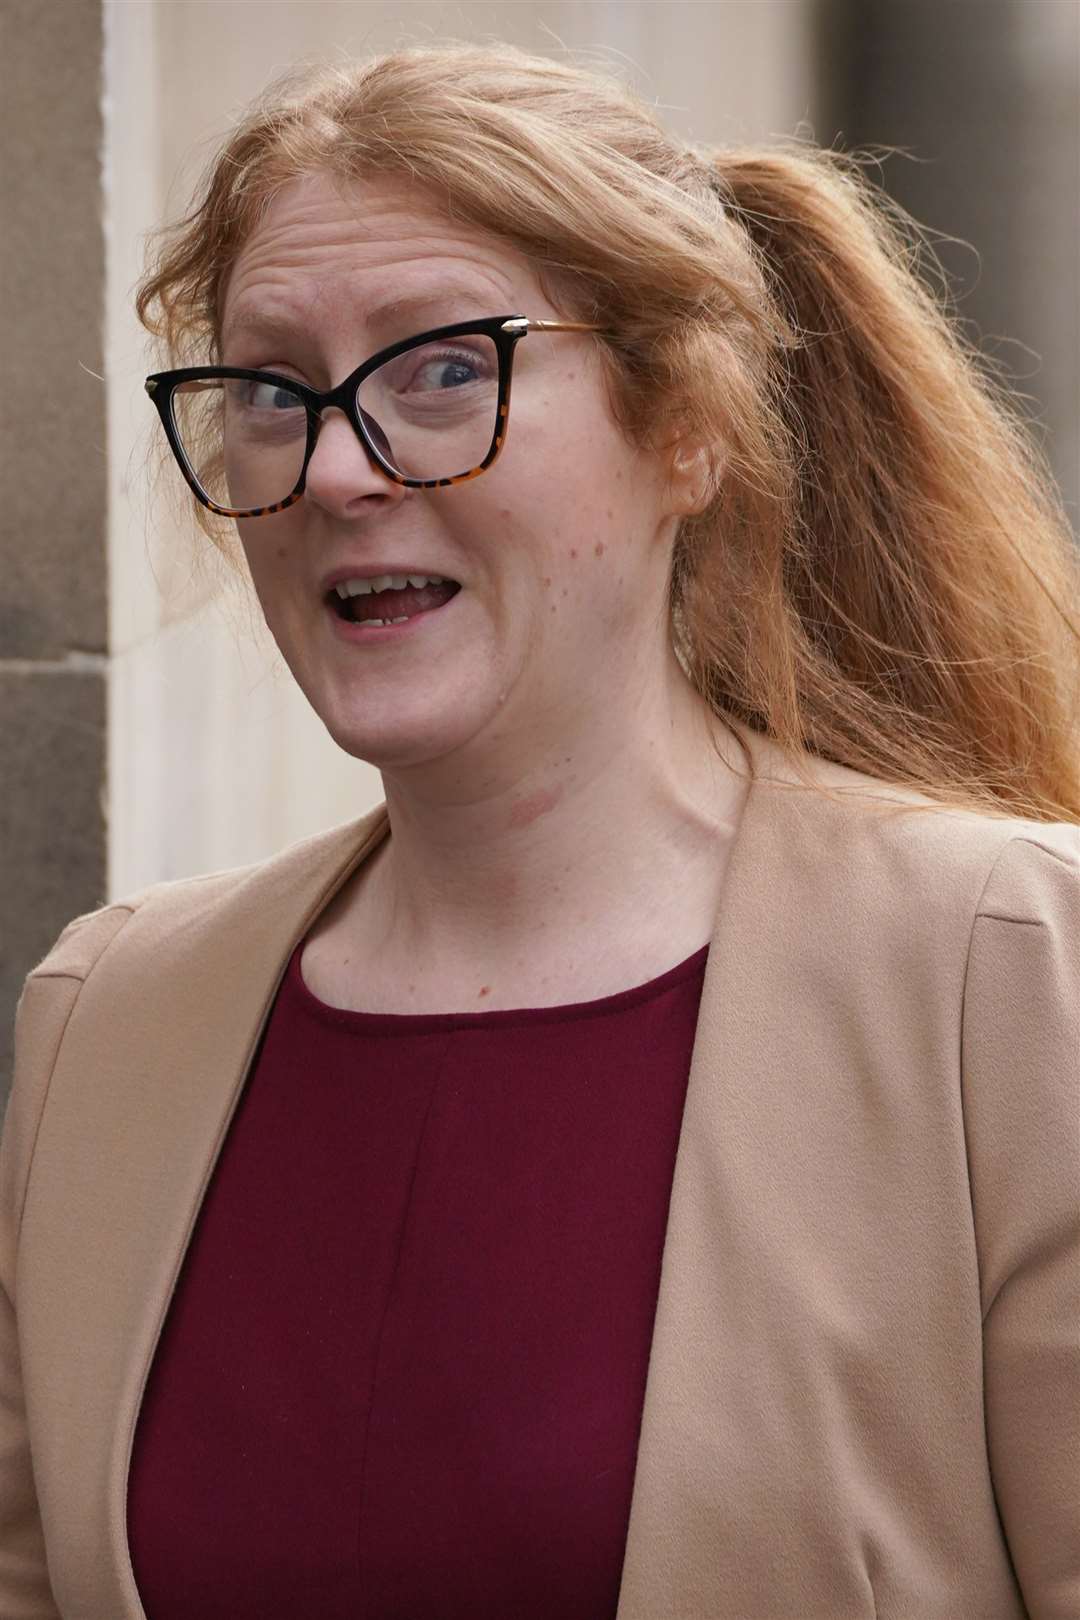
<point x="863" y="1395"/>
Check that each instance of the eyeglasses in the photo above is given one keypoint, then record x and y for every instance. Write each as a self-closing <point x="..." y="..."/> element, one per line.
<point x="430" y="410"/>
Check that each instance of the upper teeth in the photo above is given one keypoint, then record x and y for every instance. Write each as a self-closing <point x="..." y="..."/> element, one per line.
<point x="385" y="582"/>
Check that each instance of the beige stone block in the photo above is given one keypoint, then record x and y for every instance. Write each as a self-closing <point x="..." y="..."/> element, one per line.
<point x="216" y="756"/>
<point x="52" y="277"/>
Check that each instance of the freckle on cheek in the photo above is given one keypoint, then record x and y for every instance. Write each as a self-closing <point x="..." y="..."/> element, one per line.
<point x="547" y="583"/>
<point x="485" y="989"/>
<point x="573" y="553"/>
<point x="598" y="549"/>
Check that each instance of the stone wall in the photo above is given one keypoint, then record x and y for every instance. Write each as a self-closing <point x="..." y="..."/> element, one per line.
<point x="53" y="462"/>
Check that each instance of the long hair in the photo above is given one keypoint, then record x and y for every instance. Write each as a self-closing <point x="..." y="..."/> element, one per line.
<point x="882" y="574"/>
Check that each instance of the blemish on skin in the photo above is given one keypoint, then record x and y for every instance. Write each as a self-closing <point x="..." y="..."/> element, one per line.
<point x="573" y="553"/>
<point x="485" y="989"/>
<point x="547" y="582"/>
<point x="527" y="810"/>
<point x="553" y="607"/>
<point x="610" y="513"/>
<point x="566" y="593"/>
<point x="598" y="549"/>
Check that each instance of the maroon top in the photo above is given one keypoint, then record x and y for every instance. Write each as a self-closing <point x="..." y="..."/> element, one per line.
<point x="402" y="1373"/>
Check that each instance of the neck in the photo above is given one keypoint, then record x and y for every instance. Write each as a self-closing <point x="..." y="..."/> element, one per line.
<point x="610" y="835"/>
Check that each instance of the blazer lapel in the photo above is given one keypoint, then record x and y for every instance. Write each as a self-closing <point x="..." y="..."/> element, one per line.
<point x="150" y="1071"/>
<point x="677" y="1462"/>
<point x="722" y="1348"/>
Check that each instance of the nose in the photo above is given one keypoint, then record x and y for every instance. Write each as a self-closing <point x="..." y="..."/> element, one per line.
<point x="342" y="477"/>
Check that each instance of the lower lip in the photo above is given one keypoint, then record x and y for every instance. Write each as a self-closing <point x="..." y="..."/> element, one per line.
<point x="379" y="634"/>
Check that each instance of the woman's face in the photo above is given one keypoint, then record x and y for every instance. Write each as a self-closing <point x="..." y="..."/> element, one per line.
<point x="561" y="548"/>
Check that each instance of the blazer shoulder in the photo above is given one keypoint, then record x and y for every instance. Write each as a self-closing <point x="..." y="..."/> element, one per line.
<point x="1011" y="865"/>
<point x="991" y="866"/>
<point x="174" y="903"/>
<point x="926" y="855"/>
<point x="80" y="943"/>
<point x="84" y="940"/>
<point x="1036" y="876"/>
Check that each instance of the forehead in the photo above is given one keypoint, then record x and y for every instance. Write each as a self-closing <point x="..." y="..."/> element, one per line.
<point x="378" y="255"/>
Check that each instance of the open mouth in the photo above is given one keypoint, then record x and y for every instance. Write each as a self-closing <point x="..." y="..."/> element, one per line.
<point x="391" y="603"/>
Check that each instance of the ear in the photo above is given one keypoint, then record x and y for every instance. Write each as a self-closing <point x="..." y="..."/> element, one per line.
<point x="690" y="478"/>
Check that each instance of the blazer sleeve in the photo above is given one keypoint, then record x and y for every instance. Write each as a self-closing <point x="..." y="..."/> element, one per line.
<point x="44" y="1007"/>
<point x="1021" y="1096"/>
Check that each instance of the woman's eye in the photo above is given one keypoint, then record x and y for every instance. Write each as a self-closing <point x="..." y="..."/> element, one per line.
<point x="440" y="372"/>
<point x="270" y="396"/>
<point x="446" y="373"/>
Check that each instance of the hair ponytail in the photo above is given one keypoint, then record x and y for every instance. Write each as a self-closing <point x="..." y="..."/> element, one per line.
<point x="905" y="601"/>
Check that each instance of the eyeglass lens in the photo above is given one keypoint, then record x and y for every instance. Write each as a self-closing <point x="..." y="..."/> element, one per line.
<point x="431" y="412"/>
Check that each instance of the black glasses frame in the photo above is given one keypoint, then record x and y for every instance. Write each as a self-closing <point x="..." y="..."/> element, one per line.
<point x="506" y="331"/>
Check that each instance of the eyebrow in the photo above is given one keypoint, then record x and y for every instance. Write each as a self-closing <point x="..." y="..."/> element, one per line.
<point x="377" y="317"/>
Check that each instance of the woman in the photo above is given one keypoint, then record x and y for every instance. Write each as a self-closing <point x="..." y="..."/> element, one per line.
<point x="633" y="1171"/>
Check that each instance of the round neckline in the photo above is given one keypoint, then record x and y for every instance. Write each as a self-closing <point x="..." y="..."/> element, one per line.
<point x="500" y="1018"/>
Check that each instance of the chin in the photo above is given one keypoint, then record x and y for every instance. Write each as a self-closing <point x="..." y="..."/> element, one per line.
<point x="396" y="727"/>
<point x="396" y="746"/>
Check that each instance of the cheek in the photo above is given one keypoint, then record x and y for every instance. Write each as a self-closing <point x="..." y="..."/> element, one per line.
<point x="268" y="554"/>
